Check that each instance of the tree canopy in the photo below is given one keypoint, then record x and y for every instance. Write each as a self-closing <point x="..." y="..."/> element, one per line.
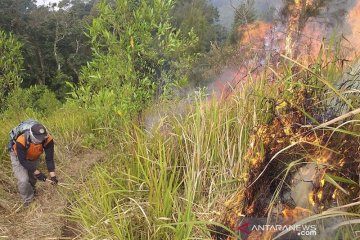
<point x="156" y="40"/>
<point x="54" y="42"/>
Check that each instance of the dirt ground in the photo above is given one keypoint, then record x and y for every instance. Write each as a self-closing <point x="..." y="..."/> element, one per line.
<point x="44" y="218"/>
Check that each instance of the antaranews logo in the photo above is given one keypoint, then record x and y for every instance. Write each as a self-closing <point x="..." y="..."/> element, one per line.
<point x="244" y="228"/>
<point x="260" y="225"/>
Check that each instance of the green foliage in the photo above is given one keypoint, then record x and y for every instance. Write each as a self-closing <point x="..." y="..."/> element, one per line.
<point x="202" y="18"/>
<point x="137" y="54"/>
<point x="69" y="124"/>
<point x="244" y="14"/>
<point x="36" y="98"/>
<point x="54" y="41"/>
<point x="12" y="14"/>
<point x="108" y="109"/>
<point x="11" y="63"/>
<point x="58" y="84"/>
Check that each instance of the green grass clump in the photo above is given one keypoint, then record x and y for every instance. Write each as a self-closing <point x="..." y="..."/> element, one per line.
<point x="167" y="183"/>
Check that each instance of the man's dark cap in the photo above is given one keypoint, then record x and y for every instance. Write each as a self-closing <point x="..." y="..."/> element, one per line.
<point x="39" y="132"/>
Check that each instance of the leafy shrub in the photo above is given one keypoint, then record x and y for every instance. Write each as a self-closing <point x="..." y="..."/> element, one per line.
<point x="37" y="98"/>
<point x="138" y="55"/>
<point x="11" y="62"/>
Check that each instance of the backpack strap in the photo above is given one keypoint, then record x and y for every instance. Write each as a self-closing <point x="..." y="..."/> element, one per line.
<point x="27" y="139"/>
<point x="22" y="139"/>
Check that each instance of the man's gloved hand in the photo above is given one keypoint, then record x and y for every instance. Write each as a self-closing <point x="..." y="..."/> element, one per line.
<point x="54" y="180"/>
<point x="40" y="176"/>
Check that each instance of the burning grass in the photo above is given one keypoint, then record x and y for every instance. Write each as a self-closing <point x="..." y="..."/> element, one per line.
<point x="263" y="141"/>
<point x="293" y="162"/>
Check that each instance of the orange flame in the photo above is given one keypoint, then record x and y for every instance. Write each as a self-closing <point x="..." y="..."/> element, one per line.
<point x="299" y="38"/>
<point x="295" y="214"/>
<point x="255" y="32"/>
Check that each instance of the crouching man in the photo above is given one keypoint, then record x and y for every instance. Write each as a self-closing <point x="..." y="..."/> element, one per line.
<point x="25" y="151"/>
